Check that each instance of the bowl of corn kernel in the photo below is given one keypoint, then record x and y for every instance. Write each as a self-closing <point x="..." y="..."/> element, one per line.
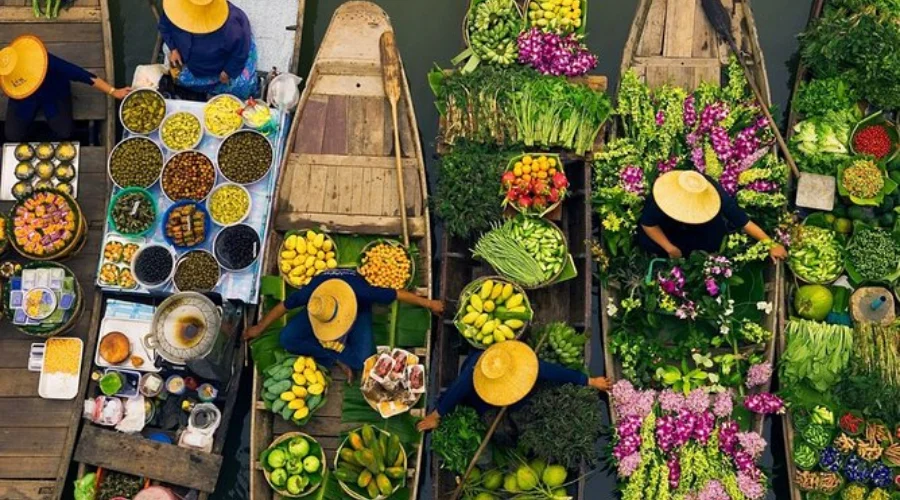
<point x="61" y="368"/>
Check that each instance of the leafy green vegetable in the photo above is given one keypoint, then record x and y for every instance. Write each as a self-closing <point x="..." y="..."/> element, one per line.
<point x="816" y="354"/>
<point x="821" y="95"/>
<point x="561" y="424"/>
<point x="457" y="438"/>
<point x="821" y="142"/>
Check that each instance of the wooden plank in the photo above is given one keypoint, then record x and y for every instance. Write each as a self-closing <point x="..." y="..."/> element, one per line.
<point x="335" y="140"/>
<point x="386" y="226"/>
<point x="349" y="85"/>
<point x="14" y="353"/>
<point x="35" y="412"/>
<point x="353" y="68"/>
<point x="311" y="127"/>
<point x="140" y="456"/>
<point x="345" y="183"/>
<point x="704" y="39"/>
<point x="32" y="442"/>
<point x="49" y="33"/>
<point x="332" y="190"/>
<point x="70" y="15"/>
<point x="18" y="382"/>
<point x="679" y="62"/>
<point x="93" y="160"/>
<point x="383" y="162"/>
<point x="27" y="490"/>
<point x="679" y="35"/>
<point x="651" y="41"/>
<point x="33" y="468"/>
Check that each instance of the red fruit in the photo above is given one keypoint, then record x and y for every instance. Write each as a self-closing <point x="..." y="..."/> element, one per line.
<point x="540" y="202"/>
<point x="560" y="181"/>
<point x="524" y="201"/>
<point x="507" y="179"/>
<point x="873" y="140"/>
<point x="540" y="187"/>
<point x="554" y="195"/>
<point x="513" y="193"/>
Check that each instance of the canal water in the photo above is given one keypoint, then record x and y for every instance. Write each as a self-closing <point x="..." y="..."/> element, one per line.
<point x="429" y="32"/>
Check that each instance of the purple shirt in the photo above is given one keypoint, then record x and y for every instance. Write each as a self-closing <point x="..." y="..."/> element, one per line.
<point x="225" y="49"/>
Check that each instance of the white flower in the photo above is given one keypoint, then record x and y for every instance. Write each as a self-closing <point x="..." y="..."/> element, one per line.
<point x="764" y="306"/>
<point x="724" y="329"/>
<point x="611" y="308"/>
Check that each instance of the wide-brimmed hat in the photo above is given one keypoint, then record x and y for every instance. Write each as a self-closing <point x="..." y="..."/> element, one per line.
<point x="332" y="310"/>
<point x="687" y="197"/>
<point x="23" y="66"/>
<point x="506" y="373"/>
<point x="197" y="16"/>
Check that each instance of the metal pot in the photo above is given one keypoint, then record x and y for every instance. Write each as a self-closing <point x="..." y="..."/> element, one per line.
<point x="185" y="327"/>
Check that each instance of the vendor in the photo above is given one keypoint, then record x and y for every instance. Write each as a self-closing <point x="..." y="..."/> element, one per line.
<point x="687" y="212"/>
<point x="337" y="323"/>
<point x="210" y="46"/>
<point x="503" y="375"/>
<point x="34" y="79"/>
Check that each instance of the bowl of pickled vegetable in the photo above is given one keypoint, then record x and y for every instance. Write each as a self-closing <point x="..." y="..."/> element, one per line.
<point x="181" y="131"/>
<point x="222" y="115"/>
<point x="142" y="111"/>
<point x="132" y="212"/>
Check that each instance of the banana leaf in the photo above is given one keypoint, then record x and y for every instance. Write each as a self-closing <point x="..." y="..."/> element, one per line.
<point x="356" y="410"/>
<point x="401" y="325"/>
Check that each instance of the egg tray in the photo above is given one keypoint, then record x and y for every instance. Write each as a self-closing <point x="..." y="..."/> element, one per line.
<point x="8" y="175"/>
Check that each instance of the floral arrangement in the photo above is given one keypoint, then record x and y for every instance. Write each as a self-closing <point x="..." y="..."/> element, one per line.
<point x="684" y="447"/>
<point x="554" y="54"/>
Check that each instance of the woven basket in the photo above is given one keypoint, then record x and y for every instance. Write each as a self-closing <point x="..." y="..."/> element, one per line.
<point x="286" y="437"/>
<point x="474" y="287"/>
<point x="471" y="9"/>
<point x="350" y="491"/>
<point x="70" y="250"/>
<point x="45" y="332"/>
<point x="284" y="276"/>
<point x="394" y="243"/>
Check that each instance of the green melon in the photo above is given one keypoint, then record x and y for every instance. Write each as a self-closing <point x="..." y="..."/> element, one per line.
<point x="813" y="302"/>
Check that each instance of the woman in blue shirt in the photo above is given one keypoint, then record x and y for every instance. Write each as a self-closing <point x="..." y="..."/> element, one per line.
<point x="35" y="80"/>
<point x="337" y="323"/>
<point x="211" y="45"/>
<point x="503" y="375"/>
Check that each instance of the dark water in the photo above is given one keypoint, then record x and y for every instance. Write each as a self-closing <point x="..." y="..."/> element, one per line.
<point x="429" y="31"/>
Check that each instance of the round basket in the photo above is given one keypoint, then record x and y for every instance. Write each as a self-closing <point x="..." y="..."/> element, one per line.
<point x="878" y="118"/>
<point x="181" y="259"/>
<point x="219" y="157"/>
<point x="474" y="287"/>
<point x="206" y="220"/>
<point x="393" y="243"/>
<point x="194" y="145"/>
<point x="321" y="455"/>
<point x="240" y="105"/>
<point x="169" y="162"/>
<point x="302" y="234"/>
<point x="530" y="212"/>
<point x="130" y="96"/>
<point x="115" y="198"/>
<point x="112" y="153"/>
<point x="4" y="237"/>
<point x="373" y="403"/>
<point x="48" y="331"/>
<point x="220" y="186"/>
<point x="354" y="491"/>
<point x="137" y="256"/>
<point x="555" y="276"/>
<point x="470" y="9"/>
<point x="71" y="249"/>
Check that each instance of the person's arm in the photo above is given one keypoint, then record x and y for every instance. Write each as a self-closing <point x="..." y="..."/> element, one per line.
<point x="462" y="387"/>
<point x="78" y="74"/>
<point x="776" y="250"/>
<point x="272" y="316"/>
<point x="659" y="237"/>
<point x="561" y="375"/>
<point x="240" y="49"/>
<point x="435" y="306"/>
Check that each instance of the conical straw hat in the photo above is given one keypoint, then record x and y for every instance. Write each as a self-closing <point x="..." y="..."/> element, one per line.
<point x="197" y="16"/>
<point x="687" y="197"/>
<point x="506" y="373"/>
<point x="332" y="310"/>
<point x="23" y="66"/>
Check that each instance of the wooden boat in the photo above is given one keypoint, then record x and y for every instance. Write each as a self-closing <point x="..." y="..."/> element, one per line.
<point x="671" y="42"/>
<point x="38" y="435"/>
<point x="339" y="175"/>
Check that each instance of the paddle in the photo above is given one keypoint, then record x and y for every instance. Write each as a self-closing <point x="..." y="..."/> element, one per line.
<point x="390" y="72"/>
<point x="721" y="22"/>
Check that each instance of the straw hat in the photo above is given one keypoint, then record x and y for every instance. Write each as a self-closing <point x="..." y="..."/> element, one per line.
<point x="23" y="66"/>
<point x="197" y="16"/>
<point x="687" y="197"/>
<point x="332" y="310"/>
<point x="506" y="373"/>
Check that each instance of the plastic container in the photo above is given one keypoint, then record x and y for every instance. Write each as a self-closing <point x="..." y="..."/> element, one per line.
<point x="131" y="190"/>
<point x="59" y="385"/>
<point x="131" y="380"/>
<point x="194" y="144"/>
<point x="151" y="385"/>
<point x="206" y="218"/>
<point x="104" y="410"/>
<point x="220" y="186"/>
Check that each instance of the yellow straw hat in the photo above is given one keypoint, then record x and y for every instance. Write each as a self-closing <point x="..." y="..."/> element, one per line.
<point x="506" y="373"/>
<point x="197" y="16"/>
<point x="23" y="66"/>
<point x="332" y="310"/>
<point x="687" y="197"/>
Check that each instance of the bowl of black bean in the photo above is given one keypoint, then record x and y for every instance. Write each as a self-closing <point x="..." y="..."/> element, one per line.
<point x="237" y="247"/>
<point x="153" y="266"/>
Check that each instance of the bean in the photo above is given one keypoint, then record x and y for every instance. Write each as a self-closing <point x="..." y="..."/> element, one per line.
<point x="197" y="271"/>
<point x="153" y="265"/>
<point x="245" y="157"/>
<point x="135" y="162"/>
<point x="143" y="111"/>
<point x="188" y="176"/>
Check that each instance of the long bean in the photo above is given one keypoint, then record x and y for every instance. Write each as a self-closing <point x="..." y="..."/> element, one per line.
<point x="500" y="249"/>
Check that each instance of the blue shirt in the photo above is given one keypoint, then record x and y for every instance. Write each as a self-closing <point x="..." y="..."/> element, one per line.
<point x="225" y="49"/>
<point x="54" y="88"/>
<point x="298" y="337"/>
<point x="463" y="388"/>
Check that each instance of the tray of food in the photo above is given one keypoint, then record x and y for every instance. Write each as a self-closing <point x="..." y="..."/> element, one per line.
<point x="393" y="381"/>
<point x="61" y="368"/>
<point x="115" y="266"/>
<point x="32" y="165"/>
<point x="120" y="345"/>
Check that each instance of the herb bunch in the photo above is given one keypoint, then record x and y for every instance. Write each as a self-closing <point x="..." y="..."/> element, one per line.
<point x="457" y="438"/>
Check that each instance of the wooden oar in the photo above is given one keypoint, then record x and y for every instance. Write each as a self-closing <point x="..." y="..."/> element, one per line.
<point x="721" y="22"/>
<point x="390" y="72"/>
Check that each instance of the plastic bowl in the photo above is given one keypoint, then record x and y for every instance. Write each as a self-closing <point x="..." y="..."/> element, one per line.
<point x="115" y="198"/>
<point x="182" y="203"/>
<point x="220" y="186"/>
<point x="194" y="144"/>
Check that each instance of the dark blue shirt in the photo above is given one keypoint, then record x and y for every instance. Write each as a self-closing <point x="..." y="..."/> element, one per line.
<point x="691" y="237"/>
<point x="463" y="388"/>
<point x="225" y="49"/>
<point x="54" y="89"/>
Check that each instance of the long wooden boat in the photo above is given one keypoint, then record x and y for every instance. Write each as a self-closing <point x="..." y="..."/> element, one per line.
<point x="340" y="176"/>
<point x="671" y="42"/>
<point x="37" y="435"/>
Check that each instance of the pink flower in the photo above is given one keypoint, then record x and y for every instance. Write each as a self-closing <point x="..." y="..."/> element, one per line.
<point x="728" y="437"/>
<point x="711" y="287"/>
<point x="697" y="401"/>
<point x="713" y="491"/>
<point x="630" y="402"/>
<point x="632" y="179"/>
<point x="629" y="464"/>
<point x="674" y="471"/>
<point x="670" y="400"/>
<point x="629" y="426"/>
<point x="703" y="429"/>
<point x="688" y="310"/>
<point x="743" y="460"/>
<point x="750" y="487"/>
<point x="698" y="159"/>
<point x="723" y="404"/>
<point x="626" y="446"/>
<point x="752" y="443"/>
<point x="690" y="111"/>
<point x="764" y="403"/>
<point x="759" y="374"/>
<point x="660" y="118"/>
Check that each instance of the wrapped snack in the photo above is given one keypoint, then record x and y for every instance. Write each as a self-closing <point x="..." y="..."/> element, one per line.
<point x="415" y="377"/>
<point x="381" y="372"/>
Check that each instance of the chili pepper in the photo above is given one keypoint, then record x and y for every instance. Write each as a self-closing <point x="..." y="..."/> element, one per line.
<point x="873" y="140"/>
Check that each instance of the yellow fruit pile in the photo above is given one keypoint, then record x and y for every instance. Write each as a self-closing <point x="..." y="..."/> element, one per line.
<point x="386" y="266"/>
<point x="303" y="257"/>
<point x="308" y="382"/>
<point x="493" y="314"/>
<point x="541" y="167"/>
<point x="559" y="16"/>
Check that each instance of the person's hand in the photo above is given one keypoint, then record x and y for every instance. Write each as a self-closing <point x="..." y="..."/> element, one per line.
<point x="252" y="332"/>
<point x="347" y="371"/>
<point x="599" y="383"/>
<point x="437" y="307"/>
<point x="674" y="252"/>
<point x="429" y="423"/>
<point x="777" y="252"/>
<point x="224" y="78"/>
<point x="175" y="58"/>
<point x="120" y="94"/>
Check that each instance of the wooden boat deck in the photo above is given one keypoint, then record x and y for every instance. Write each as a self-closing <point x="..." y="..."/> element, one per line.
<point x="37" y="435"/>
<point x="340" y="176"/>
<point x="671" y="42"/>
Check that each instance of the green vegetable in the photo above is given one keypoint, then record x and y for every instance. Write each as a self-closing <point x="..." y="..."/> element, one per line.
<point x="493" y="28"/>
<point x="457" y="438"/>
<point x="278" y="405"/>
<point x="872" y="254"/>
<point x="817" y="436"/>
<point x="504" y="251"/>
<point x="816" y="354"/>
<point x="295" y="485"/>
<point x="804" y="455"/>
<point x="564" y="345"/>
<point x="816" y="256"/>
<point x="85" y="488"/>
<point x="282" y="386"/>
<point x="821" y="142"/>
<point x="813" y="302"/>
<point x="542" y="240"/>
<point x="277" y="458"/>
<point x="821" y="95"/>
<point x="822" y="415"/>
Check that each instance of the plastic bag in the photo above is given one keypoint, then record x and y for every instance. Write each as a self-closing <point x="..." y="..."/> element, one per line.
<point x="86" y="487"/>
<point x="148" y="75"/>
<point x="284" y="91"/>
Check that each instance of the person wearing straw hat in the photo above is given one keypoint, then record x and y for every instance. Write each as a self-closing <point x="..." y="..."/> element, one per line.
<point x="337" y="323"/>
<point x="503" y="375"/>
<point x="34" y="80"/>
<point x="211" y="46"/>
<point x="687" y="211"/>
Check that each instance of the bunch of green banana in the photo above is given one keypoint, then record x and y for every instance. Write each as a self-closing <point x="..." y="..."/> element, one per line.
<point x="494" y="27"/>
<point x="564" y="346"/>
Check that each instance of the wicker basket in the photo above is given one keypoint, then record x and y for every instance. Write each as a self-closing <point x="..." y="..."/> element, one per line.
<point x="473" y="287"/>
<point x="302" y="233"/>
<point x="286" y="437"/>
<point x="471" y="9"/>
<point x="47" y="332"/>
<point x="511" y="165"/>
<point x="351" y="490"/>
<point x="393" y="243"/>
<point x="71" y="249"/>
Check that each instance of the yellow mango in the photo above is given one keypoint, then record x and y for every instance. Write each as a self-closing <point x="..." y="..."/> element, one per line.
<point x="288" y="396"/>
<point x="311" y="250"/>
<point x="300" y="246"/>
<point x="310" y="261"/>
<point x="481" y="319"/>
<point x="286" y="267"/>
<point x="297" y="404"/>
<point x="299" y="379"/>
<point x="316" y="389"/>
<point x="496" y="292"/>
<point x="310" y="235"/>
<point x="470" y="318"/>
<point x="515" y="300"/>
<point x="327" y="245"/>
<point x="329" y="255"/>
<point x="498" y="336"/>
<point x="507" y="291"/>
<point x="506" y="331"/>
<point x="331" y="264"/>
<point x="488" y="306"/>
<point x="320" y="255"/>
<point x="295" y="281"/>
<point x="288" y="254"/>
<point x="319" y="241"/>
<point x="320" y="264"/>
<point x="488" y="327"/>
<point x="291" y="242"/>
<point x="311" y="363"/>
<point x="488" y="340"/>
<point x="320" y="378"/>
<point x="486" y="289"/>
<point x="301" y="413"/>
<point x="297" y="271"/>
<point x="298" y="260"/>
<point x="476" y="303"/>
<point x="311" y="272"/>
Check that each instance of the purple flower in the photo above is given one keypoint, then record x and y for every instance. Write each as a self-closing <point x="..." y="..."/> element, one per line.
<point x="688" y="310"/>
<point x="721" y="143"/>
<point x="684" y="427"/>
<point x="629" y="426"/>
<point x="670" y="400"/>
<point x="626" y="446"/>
<point x="750" y="487"/>
<point x="553" y="54"/>
<point x="629" y="402"/>
<point x="712" y="491"/>
<point x="704" y="426"/>
<point x="690" y="111"/>
<point x="728" y="437"/>
<point x="762" y="186"/>
<point x="711" y="287"/>
<point x="674" y="471"/>
<point x="664" y="166"/>
<point x="660" y="118"/>
<point x="743" y="461"/>
<point x="697" y="401"/>
<point x="764" y="403"/>
<point x="752" y="443"/>
<point x="629" y="464"/>
<point x="758" y="374"/>
<point x="666" y="433"/>
<point x="698" y="159"/>
<point x="632" y="179"/>
<point x="723" y="404"/>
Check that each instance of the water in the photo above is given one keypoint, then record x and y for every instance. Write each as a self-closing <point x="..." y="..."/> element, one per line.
<point x="429" y="31"/>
